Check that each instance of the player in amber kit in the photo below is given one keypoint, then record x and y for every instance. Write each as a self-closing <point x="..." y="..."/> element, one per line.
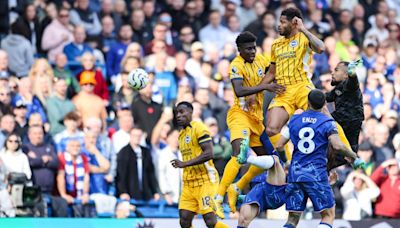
<point x="291" y="56"/>
<point x="200" y="178"/>
<point x="245" y="117"/>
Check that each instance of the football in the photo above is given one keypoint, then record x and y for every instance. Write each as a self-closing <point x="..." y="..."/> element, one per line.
<point x="138" y="79"/>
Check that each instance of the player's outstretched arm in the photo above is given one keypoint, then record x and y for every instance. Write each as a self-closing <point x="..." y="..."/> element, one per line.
<point x="207" y="155"/>
<point x="242" y="91"/>
<point x="337" y="145"/>
<point x="316" y="44"/>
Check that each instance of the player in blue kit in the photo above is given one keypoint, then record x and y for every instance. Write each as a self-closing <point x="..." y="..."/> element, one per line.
<point x="269" y="194"/>
<point x="311" y="132"/>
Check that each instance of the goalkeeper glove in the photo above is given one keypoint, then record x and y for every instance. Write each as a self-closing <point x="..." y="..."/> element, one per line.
<point x="352" y="66"/>
<point x="358" y="163"/>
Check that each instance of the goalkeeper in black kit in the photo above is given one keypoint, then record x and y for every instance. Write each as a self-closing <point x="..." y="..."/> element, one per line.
<point x="349" y="109"/>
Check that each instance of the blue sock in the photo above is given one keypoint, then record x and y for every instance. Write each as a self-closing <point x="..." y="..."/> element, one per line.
<point x="241" y="227"/>
<point x="287" y="225"/>
<point x="268" y="147"/>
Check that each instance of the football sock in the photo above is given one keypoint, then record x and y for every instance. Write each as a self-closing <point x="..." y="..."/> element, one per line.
<point x="230" y="172"/>
<point x="288" y="225"/>
<point x="220" y="224"/>
<point x="264" y="162"/>
<point x="268" y="147"/>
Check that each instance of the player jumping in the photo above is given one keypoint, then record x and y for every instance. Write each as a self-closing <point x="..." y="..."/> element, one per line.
<point x="200" y="178"/>
<point x="245" y="117"/>
<point x="311" y="132"/>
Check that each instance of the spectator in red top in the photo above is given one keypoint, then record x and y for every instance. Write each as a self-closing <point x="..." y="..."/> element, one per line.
<point x="160" y="33"/>
<point x="73" y="178"/>
<point x="387" y="177"/>
<point x="100" y="89"/>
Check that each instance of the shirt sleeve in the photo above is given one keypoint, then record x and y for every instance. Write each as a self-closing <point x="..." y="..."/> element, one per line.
<point x="202" y="133"/>
<point x="235" y="71"/>
<point x="273" y="56"/>
<point x="285" y="132"/>
<point x="331" y="128"/>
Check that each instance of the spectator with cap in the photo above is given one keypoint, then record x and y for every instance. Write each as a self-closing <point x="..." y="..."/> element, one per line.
<point x="61" y="70"/>
<point x="386" y="176"/>
<point x="5" y="71"/>
<point x="57" y="35"/>
<point x="369" y="54"/>
<point x="365" y="152"/>
<point x="100" y="89"/>
<point x="117" y="51"/>
<point x="58" y="106"/>
<point x="19" y="50"/>
<point x="75" y="49"/>
<point x="193" y="64"/>
<point x="71" y="123"/>
<point x="84" y="16"/>
<point x="214" y="34"/>
<point x="86" y="102"/>
<point x="31" y="101"/>
<point x="21" y="123"/>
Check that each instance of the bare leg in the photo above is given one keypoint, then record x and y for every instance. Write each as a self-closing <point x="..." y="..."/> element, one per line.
<point x="247" y="213"/>
<point x="293" y="219"/>
<point x="186" y="218"/>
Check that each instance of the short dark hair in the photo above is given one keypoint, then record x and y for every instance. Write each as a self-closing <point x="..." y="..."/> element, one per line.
<point x="245" y="37"/>
<point x="292" y="12"/>
<point x="316" y="98"/>
<point x="344" y="63"/>
<point x="185" y="103"/>
<point x="74" y="116"/>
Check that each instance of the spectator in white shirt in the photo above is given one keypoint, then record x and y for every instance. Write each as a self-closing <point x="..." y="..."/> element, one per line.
<point x="14" y="159"/>
<point x="358" y="192"/>
<point x="122" y="136"/>
<point x="170" y="178"/>
<point x="214" y="34"/>
<point x="378" y="31"/>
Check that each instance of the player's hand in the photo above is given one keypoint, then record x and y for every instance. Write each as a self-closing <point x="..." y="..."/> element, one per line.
<point x="298" y="23"/>
<point x="275" y="88"/>
<point x="250" y="101"/>
<point x="352" y="67"/>
<point x="176" y="163"/>
<point x="124" y="196"/>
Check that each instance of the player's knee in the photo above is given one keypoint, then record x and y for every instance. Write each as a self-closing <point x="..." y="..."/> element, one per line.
<point x="328" y="213"/>
<point x="272" y="130"/>
<point x="210" y="222"/>
<point x="244" y="220"/>
<point x="276" y="159"/>
<point x="185" y="223"/>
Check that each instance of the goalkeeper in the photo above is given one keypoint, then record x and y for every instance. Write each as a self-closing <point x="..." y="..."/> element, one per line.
<point x="348" y="99"/>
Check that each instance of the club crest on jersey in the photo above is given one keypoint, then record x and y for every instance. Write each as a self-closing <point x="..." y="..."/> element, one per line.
<point x="293" y="43"/>
<point x="338" y="92"/>
<point x="187" y="139"/>
<point x="234" y="70"/>
<point x="244" y="132"/>
<point x="259" y="72"/>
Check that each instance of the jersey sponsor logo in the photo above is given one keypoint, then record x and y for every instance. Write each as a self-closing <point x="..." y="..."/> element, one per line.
<point x="259" y="72"/>
<point x="187" y="139"/>
<point x="293" y="43"/>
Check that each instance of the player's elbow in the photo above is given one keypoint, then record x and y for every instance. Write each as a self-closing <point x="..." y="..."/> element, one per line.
<point x="337" y="146"/>
<point x="320" y="49"/>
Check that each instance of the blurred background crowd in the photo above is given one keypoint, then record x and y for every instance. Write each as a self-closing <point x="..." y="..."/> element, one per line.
<point x="71" y="124"/>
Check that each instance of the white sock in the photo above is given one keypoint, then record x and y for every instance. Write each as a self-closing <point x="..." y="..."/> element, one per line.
<point x="264" y="162"/>
<point x="324" y="225"/>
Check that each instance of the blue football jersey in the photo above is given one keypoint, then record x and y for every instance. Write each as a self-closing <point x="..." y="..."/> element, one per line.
<point x="309" y="132"/>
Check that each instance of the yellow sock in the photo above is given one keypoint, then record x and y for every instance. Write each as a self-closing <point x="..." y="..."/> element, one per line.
<point x="274" y="139"/>
<point x="342" y="136"/>
<point x="230" y="172"/>
<point x="220" y="224"/>
<point x="250" y="174"/>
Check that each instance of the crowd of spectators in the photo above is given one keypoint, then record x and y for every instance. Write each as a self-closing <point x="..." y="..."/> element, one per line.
<point x="70" y="122"/>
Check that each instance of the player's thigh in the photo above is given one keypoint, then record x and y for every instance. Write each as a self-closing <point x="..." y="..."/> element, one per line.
<point x="204" y="195"/>
<point x="256" y="196"/>
<point x="238" y="124"/>
<point x="321" y="195"/>
<point x="296" y="198"/>
<point x="277" y="118"/>
<point x="186" y="218"/>
<point x="188" y="200"/>
<point x="275" y="195"/>
<point x="247" y="213"/>
<point x="256" y="129"/>
<point x="301" y="95"/>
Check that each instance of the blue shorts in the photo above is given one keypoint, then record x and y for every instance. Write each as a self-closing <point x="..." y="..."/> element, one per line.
<point x="320" y="193"/>
<point x="266" y="196"/>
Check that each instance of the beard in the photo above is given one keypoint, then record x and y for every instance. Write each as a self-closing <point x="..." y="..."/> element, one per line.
<point x="334" y="83"/>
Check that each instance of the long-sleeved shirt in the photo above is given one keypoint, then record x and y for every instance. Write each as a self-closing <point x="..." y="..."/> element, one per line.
<point x="88" y="19"/>
<point x="169" y="178"/>
<point x="388" y="203"/>
<point x="16" y="161"/>
<point x="57" y="108"/>
<point x="53" y="39"/>
<point x="114" y="57"/>
<point x="43" y="173"/>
